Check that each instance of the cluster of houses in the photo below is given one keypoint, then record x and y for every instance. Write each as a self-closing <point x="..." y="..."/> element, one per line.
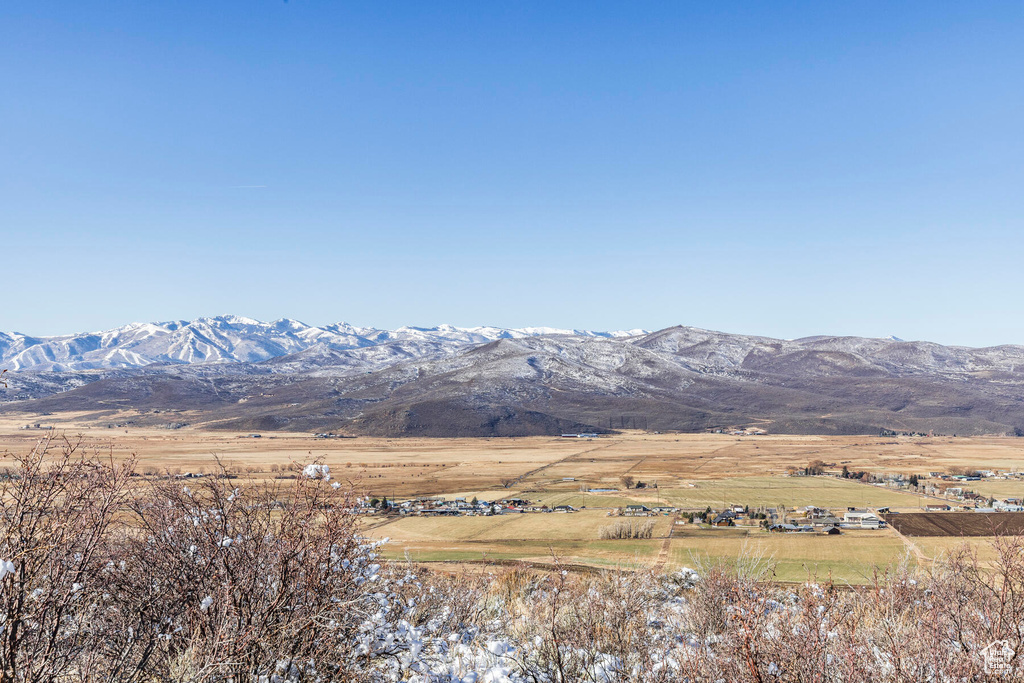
<point x="644" y="511"/>
<point x="1004" y="505"/>
<point x="977" y="475"/>
<point x="809" y="519"/>
<point x="440" y="507"/>
<point x="943" y="487"/>
<point x="748" y="431"/>
<point x="825" y="521"/>
<point x="954" y="487"/>
<point x="801" y="520"/>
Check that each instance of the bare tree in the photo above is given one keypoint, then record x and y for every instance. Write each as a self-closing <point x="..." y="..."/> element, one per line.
<point x="56" y="513"/>
<point x="234" y="578"/>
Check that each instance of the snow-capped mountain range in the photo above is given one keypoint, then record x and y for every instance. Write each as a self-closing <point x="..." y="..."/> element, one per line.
<point x="234" y="339"/>
<point x="237" y="373"/>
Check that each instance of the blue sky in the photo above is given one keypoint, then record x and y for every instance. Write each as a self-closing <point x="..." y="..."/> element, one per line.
<point x="785" y="169"/>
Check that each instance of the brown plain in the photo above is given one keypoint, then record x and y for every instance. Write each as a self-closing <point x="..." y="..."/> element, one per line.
<point x="690" y="470"/>
<point x="434" y="466"/>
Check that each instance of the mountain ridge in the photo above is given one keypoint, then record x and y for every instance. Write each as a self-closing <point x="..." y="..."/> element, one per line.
<point x="229" y="338"/>
<point x="243" y="374"/>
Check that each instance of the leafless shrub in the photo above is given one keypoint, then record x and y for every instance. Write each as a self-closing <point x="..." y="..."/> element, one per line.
<point x="222" y="576"/>
<point x="610" y="627"/>
<point x="511" y="590"/>
<point x="103" y="582"/>
<point x="56" y="513"/>
<point x="626" y="530"/>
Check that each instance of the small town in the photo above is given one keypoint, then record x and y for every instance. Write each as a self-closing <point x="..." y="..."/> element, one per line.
<point x="947" y="491"/>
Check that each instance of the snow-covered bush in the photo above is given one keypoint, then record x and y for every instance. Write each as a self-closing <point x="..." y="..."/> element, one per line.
<point x="317" y="470"/>
<point x="242" y="578"/>
<point x="58" y="511"/>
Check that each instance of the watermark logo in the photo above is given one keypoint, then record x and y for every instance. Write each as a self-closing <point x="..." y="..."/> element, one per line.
<point x="998" y="656"/>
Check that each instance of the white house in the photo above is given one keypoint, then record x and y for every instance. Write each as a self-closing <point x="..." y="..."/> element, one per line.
<point x="865" y="519"/>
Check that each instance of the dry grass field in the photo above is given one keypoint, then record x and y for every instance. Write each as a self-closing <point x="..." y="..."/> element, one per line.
<point x="578" y="526"/>
<point x="850" y="558"/>
<point x="747" y="490"/>
<point x="691" y="471"/>
<point x="1006" y="488"/>
<point x="936" y="547"/>
<point x="609" y="554"/>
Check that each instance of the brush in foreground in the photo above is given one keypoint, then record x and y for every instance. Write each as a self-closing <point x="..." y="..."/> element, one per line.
<point x="106" y="578"/>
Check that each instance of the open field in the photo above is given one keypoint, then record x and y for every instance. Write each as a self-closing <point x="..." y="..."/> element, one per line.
<point x="788" y="491"/>
<point x="612" y="554"/>
<point x="577" y="526"/>
<point x="851" y="557"/>
<point x="958" y="524"/>
<point x="999" y="488"/>
<point x="479" y="464"/>
<point x="752" y="491"/>
<point x="937" y="547"/>
<point x="690" y="471"/>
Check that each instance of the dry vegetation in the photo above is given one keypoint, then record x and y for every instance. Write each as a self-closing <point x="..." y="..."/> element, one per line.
<point x="852" y="558"/>
<point x="106" y="576"/>
<point x="107" y="579"/>
<point x="690" y="471"/>
<point x="627" y="529"/>
<point x="441" y="466"/>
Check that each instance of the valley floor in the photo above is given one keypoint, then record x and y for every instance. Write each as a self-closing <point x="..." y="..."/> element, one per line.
<point x="684" y="472"/>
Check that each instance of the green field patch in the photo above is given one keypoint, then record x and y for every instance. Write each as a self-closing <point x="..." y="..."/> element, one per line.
<point x="623" y="554"/>
<point x="851" y="557"/>
<point x="552" y="526"/>
<point x="590" y="500"/>
<point x="826" y="492"/>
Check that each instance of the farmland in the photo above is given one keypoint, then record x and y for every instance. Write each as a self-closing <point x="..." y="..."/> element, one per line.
<point x="939" y="547"/>
<point x="682" y="471"/>
<point x="957" y="524"/>
<point x="850" y="558"/>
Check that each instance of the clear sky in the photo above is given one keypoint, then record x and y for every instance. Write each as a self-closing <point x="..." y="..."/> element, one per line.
<point x="777" y="168"/>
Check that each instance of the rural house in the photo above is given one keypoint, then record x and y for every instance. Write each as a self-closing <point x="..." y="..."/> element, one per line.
<point x="724" y="519"/>
<point x="864" y="519"/>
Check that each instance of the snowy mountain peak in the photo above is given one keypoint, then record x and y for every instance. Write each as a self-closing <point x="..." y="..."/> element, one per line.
<point x="234" y="339"/>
